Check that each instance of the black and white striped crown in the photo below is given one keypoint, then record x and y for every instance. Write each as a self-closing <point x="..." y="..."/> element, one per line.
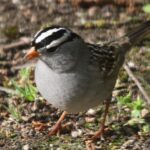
<point x="52" y="37"/>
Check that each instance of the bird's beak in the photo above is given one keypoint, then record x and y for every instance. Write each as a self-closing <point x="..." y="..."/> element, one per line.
<point x="32" y="53"/>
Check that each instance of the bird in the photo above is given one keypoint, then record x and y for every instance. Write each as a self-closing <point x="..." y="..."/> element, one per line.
<point x="74" y="75"/>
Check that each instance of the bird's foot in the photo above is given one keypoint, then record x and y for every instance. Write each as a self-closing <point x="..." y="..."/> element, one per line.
<point x="98" y="134"/>
<point x="90" y="142"/>
<point x="55" y="129"/>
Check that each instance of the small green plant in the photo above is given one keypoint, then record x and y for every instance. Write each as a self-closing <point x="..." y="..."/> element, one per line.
<point x="135" y="106"/>
<point x="124" y="100"/>
<point x="14" y="110"/>
<point x="25" y="73"/>
<point x="25" y="88"/>
<point x="146" y="8"/>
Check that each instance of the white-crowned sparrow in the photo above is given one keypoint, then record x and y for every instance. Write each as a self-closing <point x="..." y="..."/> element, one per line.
<point x="74" y="75"/>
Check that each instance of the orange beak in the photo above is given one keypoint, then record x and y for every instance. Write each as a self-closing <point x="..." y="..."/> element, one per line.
<point x="32" y="53"/>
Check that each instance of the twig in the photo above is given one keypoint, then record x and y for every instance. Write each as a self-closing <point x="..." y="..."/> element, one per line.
<point x="32" y="63"/>
<point x="22" y="42"/>
<point x="9" y="91"/>
<point x="131" y="75"/>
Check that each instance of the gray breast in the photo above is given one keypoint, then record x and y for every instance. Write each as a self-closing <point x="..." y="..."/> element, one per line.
<point x="60" y="89"/>
<point x="72" y="92"/>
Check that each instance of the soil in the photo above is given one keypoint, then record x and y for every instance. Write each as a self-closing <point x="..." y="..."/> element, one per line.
<point x="24" y="124"/>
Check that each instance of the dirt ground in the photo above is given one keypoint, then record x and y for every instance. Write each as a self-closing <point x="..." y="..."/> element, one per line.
<point x="21" y="119"/>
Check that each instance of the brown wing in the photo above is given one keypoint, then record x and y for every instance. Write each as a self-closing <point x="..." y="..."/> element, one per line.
<point x="106" y="57"/>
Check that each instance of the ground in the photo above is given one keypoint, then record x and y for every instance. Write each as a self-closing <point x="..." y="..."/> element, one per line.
<point x="21" y="114"/>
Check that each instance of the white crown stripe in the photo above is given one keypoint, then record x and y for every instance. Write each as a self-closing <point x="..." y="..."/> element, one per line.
<point x="46" y="34"/>
<point x="58" y="41"/>
<point x="37" y="33"/>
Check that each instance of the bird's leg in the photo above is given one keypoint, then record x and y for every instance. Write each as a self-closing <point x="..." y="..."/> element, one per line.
<point x="100" y="132"/>
<point x="56" y="128"/>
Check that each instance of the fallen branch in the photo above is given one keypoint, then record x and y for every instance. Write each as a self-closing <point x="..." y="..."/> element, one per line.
<point x="32" y="63"/>
<point x="103" y="2"/>
<point x="131" y="75"/>
<point x="22" y="42"/>
<point x="8" y="91"/>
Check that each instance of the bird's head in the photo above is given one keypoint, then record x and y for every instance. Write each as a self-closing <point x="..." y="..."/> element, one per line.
<point x="49" y="39"/>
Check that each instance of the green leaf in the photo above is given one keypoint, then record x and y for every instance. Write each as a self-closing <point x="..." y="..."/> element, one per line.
<point x="136" y="113"/>
<point x="14" y="111"/>
<point x="135" y="121"/>
<point x="30" y="92"/>
<point x="138" y="104"/>
<point x="125" y="100"/>
<point x="146" y="8"/>
<point x="26" y="89"/>
<point x="25" y="73"/>
<point x="146" y="128"/>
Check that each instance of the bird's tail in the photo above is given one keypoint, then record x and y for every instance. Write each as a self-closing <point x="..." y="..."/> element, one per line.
<point x="139" y="33"/>
<point x="133" y="37"/>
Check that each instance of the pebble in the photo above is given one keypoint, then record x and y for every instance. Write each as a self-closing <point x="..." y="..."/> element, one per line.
<point x="144" y="112"/>
<point x="91" y="112"/>
<point x="25" y="118"/>
<point x="80" y="122"/>
<point x="90" y="119"/>
<point x="16" y="2"/>
<point x="76" y="133"/>
<point x="127" y="144"/>
<point x="93" y="10"/>
<point x="26" y="147"/>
